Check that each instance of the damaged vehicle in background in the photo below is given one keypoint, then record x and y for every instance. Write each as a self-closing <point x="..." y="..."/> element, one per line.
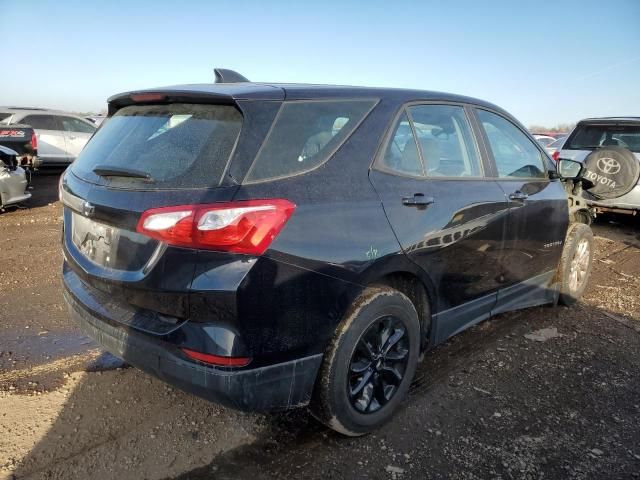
<point x="271" y="246"/>
<point x="609" y="148"/>
<point x="23" y="141"/>
<point x="61" y="136"/>
<point x="13" y="179"/>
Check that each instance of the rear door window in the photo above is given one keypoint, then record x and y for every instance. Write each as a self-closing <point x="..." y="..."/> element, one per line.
<point x="177" y="145"/>
<point x="42" y="122"/>
<point x="71" y="124"/>
<point x="447" y="145"/>
<point x="401" y="155"/>
<point x="304" y="135"/>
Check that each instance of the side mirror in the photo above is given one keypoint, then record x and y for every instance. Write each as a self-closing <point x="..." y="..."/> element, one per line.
<point x="570" y="169"/>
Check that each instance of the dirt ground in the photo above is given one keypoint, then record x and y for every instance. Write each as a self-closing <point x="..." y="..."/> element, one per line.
<point x="540" y="393"/>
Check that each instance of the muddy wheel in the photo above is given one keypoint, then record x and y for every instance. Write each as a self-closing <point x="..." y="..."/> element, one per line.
<point x="575" y="265"/>
<point x="370" y="363"/>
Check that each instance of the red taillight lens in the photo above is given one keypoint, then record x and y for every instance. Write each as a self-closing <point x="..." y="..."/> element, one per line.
<point x="34" y="142"/>
<point x="556" y="155"/>
<point x="148" y="97"/>
<point x="216" y="359"/>
<point x="241" y="227"/>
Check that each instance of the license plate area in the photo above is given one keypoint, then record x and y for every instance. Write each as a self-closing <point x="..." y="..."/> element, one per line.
<point x="109" y="246"/>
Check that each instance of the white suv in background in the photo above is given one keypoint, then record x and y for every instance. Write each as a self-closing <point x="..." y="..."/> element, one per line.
<point x="61" y="136"/>
<point x="616" y="140"/>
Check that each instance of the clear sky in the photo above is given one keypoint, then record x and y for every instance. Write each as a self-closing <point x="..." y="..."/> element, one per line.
<point x="546" y="62"/>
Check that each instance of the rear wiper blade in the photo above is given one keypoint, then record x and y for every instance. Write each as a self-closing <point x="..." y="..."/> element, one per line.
<point x="113" y="171"/>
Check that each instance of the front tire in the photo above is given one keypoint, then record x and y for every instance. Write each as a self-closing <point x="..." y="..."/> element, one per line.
<point x="575" y="264"/>
<point x="370" y="363"/>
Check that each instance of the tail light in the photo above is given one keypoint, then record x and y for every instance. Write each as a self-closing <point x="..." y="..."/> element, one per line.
<point x="34" y="141"/>
<point x="148" y="97"/>
<point x="241" y="227"/>
<point x="556" y="155"/>
<point x="217" y="359"/>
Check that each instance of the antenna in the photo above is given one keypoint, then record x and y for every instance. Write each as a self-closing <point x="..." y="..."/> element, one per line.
<point x="224" y="75"/>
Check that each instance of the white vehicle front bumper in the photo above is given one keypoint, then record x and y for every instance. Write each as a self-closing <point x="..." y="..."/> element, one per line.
<point x="13" y="186"/>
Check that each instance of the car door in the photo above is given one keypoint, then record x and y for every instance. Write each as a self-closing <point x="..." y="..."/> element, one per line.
<point x="52" y="148"/>
<point x="447" y="214"/>
<point x="77" y="134"/>
<point x="538" y="212"/>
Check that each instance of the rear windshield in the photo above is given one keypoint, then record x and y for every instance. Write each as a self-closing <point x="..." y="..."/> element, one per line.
<point x="175" y="146"/>
<point x="5" y="117"/>
<point x="590" y="137"/>
<point x="305" y="134"/>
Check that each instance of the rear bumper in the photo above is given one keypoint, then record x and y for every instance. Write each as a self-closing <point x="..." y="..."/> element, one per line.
<point x="16" y="199"/>
<point x="271" y="388"/>
<point x="13" y="186"/>
<point x="53" y="162"/>
<point x="629" y="201"/>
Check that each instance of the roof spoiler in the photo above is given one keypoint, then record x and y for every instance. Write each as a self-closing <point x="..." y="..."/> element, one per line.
<point x="224" y="75"/>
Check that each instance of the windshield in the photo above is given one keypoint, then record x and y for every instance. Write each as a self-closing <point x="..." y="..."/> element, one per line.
<point x="590" y="137"/>
<point x="169" y="146"/>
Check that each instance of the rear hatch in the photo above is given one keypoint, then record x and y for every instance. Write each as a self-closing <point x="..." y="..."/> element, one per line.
<point x="592" y="135"/>
<point x="18" y="138"/>
<point x="146" y="156"/>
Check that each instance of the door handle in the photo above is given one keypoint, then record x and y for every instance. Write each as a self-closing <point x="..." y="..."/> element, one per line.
<point x="72" y="137"/>
<point x="518" y="195"/>
<point x="418" y="200"/>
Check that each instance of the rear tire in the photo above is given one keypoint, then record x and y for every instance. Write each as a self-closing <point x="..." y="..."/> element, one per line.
<point x="370" y="363"/>
<point x="575" y="264"/>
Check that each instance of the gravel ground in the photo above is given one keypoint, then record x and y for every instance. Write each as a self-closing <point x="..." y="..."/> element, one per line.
<point x="540" y="393"/>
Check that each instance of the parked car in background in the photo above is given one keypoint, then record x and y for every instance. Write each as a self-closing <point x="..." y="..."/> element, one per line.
<point x="13" y="179"/>
<point x="610" y="150"/>
<point x="97" y="119"/>
<point x="23" y="140"/>
<point x="544" y="140"/>
<point x="60" y="135"/>
<point x="268" y="246"/>
<point x="553" y="149"/>
<point x="555" y="135"/>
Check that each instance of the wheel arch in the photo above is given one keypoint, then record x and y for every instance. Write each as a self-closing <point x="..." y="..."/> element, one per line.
<point x="413" y="287"/>
<point x="406" y="277"/>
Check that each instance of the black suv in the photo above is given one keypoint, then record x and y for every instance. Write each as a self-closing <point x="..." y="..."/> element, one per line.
<point x="269" y="246"/>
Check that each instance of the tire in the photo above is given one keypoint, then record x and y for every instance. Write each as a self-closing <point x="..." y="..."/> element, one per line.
<point x="379" y="313"/>
<point x="575" y="264"/>
<point x="610" y="172"/>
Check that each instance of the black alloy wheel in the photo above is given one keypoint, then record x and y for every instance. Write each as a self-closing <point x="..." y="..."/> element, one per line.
<point x="368" y="367"/>
<point x="378" y="365"/>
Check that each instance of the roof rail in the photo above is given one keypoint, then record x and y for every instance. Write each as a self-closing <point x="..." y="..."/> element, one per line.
<point x="224" y="75"/>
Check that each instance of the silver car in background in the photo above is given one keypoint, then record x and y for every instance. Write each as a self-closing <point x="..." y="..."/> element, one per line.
<point x="596" y="133"/>
<point x="544" y="140"/>
<point x="13" y="179"/>
<point x="61" y="136"/>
